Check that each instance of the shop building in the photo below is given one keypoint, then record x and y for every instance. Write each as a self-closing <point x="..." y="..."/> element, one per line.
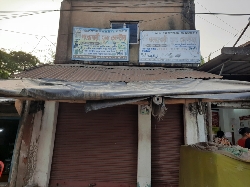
<point x="114" y="123"/>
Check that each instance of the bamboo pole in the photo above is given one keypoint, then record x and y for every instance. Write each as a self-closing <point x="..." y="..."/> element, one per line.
<point x="16" y="152"/>
<point x="209" y="115"/>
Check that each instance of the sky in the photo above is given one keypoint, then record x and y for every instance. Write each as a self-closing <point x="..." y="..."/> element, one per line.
<point x="37" y="33"/>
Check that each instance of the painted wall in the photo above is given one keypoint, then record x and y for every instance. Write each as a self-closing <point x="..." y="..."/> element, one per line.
<point x="151" y="15"/>
<point x="37" y="160"/>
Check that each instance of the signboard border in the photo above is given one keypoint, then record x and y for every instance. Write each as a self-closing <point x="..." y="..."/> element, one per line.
<point x="99" y="60"/>
<point x="164" y="62"/>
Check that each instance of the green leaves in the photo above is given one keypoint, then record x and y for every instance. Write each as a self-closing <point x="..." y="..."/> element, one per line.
<point x="15" y="62"/>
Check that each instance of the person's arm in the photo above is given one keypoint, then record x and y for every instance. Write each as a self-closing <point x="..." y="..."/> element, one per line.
<point x="247" y="143"/>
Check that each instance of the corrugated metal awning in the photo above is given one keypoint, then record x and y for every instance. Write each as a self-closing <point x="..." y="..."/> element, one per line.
<point x="81" y="73"/>
<point x="231" y="62"/>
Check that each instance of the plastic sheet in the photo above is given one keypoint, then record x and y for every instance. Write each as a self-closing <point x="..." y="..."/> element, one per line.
<point x="46" y="89"/>
<point x="200" y="168"/>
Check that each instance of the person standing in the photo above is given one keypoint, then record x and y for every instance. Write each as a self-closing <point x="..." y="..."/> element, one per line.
<point x="245" y="139"/>
<point x="247" y="142"/>
<point x="1" y="168"/>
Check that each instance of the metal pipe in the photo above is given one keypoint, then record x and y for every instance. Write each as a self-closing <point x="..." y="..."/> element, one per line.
<point x="221" y="70"/>
<point x="219" y="65"/>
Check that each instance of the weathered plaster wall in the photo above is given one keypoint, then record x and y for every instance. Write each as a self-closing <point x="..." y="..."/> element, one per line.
<point x="24" y="152"/>
<point x="37" y="147"/>
<point x="151" y="15"/>
<point x="32" y="157"/>
<point x="194" y="125"/>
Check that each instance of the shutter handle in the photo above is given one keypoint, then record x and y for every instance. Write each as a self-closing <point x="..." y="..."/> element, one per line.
<point x="92" y="184"/>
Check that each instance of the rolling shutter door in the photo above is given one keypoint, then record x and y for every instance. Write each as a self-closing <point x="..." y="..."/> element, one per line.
<point x="167" y="137"/>
<point x="98" y="148"/>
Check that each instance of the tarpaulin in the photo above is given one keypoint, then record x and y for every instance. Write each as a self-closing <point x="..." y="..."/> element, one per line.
<point x="222" y="96"/>
<point x="95" y="105"/>
<point x="45" y="89"/>
<point x="199" y="168"/>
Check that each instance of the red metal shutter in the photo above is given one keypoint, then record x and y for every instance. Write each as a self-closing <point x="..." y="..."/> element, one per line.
<point x="98" y="148"/>
<point x="167" y="137"/>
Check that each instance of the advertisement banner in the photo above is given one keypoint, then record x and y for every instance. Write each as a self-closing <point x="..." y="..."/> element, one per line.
<point x="175" y="46"/>
<point x="91" y="44"/>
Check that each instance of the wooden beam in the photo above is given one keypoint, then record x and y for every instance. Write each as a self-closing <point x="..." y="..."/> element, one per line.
<point x="19" y="106"/>
<point x="235" y="50"/>
<point x="144" y="102"/>
<point x="9" y="115"/>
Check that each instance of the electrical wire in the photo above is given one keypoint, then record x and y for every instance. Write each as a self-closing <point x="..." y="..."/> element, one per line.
<point x="17" y="32"/>
<point x="37" y="44"/>
<point x="220" y="28"/>
<point x="225" y="31"/>
<point x="215" y="25"/>
<point x="71" y="10"/>
<point x="24" y="33"/>
<point x="4" y="17"/>
<point x="219" y="18"/>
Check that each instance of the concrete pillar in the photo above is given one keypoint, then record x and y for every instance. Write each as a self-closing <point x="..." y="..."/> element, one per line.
<point x="144" y="146"/>
<point x="202" y="136"/>
<point x="46" y="144"/>
<point x="194" y="125"/>
<point x="24" y="155"/>
<point x="64" y="34"/>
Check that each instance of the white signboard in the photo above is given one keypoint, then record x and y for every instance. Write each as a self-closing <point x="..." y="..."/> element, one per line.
<point x="175" y="46"/>
<point x="93" y="44"/>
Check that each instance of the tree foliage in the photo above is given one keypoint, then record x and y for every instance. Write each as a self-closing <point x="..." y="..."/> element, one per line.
<point x="15" y="62"/>
<point x="202" y="61"/>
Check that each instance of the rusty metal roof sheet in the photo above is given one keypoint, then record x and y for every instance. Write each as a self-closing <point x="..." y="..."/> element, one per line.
<point x="247" y="44"/>
<point x="233" y="65"/>
<point x="80" y="73"/>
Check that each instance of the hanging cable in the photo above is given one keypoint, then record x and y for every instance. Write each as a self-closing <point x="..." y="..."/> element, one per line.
<point x="217" y="16"/>
<point x="242" y="32"/>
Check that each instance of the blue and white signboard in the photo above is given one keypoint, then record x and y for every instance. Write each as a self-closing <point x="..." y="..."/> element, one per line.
<point x="91" y="44"/>
<point x="175" y="46"/>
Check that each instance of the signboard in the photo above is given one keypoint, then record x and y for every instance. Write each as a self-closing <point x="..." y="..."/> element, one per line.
<point x="215" y="119"/>
<point x="244" y="121"/>
<point x="215" y="122"/>
<point x="175" y="46"/>
<point x="91" y="44"/>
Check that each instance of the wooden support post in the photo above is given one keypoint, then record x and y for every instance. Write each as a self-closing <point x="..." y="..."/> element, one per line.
<point x="209" y="115"/>
<point x="16" y="151"/>
<point x="46" y="144"/>
<point x="144" y="146"/>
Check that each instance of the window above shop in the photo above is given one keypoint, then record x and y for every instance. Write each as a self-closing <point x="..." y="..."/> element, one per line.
<point x="133" y="29"/>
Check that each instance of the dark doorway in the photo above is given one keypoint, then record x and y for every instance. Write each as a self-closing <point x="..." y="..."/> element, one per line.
<point x="8" y="131"/>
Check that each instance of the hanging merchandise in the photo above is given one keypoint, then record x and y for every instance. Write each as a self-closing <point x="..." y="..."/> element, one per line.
<point x="158" y="107"/>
